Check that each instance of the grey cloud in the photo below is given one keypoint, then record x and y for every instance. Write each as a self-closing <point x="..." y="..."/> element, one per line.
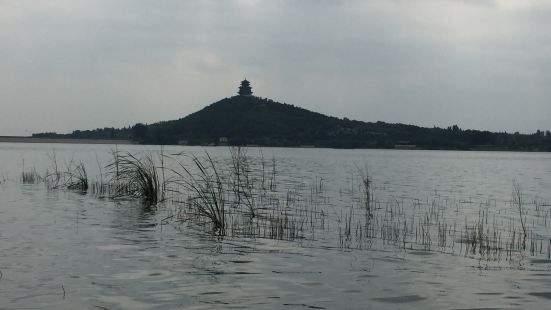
<point x="88" y="64"/>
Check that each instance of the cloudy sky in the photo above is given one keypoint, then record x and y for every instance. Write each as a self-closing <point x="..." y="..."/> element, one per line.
<point x="82" y="64"/>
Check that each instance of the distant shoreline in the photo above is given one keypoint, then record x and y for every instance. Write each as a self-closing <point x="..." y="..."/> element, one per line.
<point x="16" y="139"/>
<point x="21" y="139"/>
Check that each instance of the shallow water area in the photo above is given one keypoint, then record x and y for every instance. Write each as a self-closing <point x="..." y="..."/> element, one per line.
<point x="64" y="249"/>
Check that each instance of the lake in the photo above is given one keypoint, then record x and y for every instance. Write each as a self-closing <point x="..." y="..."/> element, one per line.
<point x="302" y="230"/>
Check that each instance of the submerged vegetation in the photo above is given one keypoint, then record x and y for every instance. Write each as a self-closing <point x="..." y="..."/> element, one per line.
<point x="247" y="196"/>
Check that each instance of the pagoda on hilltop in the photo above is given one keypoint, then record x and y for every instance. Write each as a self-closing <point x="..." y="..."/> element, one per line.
<point x="245" y="88"/>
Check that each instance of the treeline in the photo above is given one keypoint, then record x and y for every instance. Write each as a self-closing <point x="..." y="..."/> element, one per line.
<point x="254" y="121"/>
<point x="243" y="120"/>
<point x="99" y="133"/>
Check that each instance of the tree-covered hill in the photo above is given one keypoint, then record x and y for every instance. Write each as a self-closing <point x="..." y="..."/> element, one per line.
<point x="246" y="120"/>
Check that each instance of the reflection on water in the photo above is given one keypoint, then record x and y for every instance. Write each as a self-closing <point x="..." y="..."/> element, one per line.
<point x="64" y="250"/>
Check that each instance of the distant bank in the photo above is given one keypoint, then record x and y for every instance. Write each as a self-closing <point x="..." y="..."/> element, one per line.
<point x="15" y="139"/>
<point x="249" y="120"/>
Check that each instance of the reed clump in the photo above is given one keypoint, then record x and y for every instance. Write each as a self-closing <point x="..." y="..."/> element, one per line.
<point x="30" y="177"/>
<point x="518" y="202"/>
<point x="76" y="178"/>
<point x="136" y="177"/>
<point x="365" y="189"/>
<point x="242" y="182"/>
<point x="234" y="195"/>
<point x="207" y="193"/>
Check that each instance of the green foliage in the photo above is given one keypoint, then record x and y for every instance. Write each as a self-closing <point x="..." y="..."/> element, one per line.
<point x="248" y="120"/>
<point x="139" y="131"/>
<point x="136" y="177"/>
<point x="207" y="190"/>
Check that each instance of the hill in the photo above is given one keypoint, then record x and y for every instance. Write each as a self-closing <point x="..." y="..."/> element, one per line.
<point x="248" y="120"/>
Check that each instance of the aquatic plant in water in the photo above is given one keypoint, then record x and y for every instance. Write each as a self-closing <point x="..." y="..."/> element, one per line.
<point x="206" y="189"/>
<point x="76" y="178"/>
<point x="137" y="177"/>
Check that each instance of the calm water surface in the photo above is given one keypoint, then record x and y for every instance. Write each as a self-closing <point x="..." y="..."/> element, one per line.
<point x="61" y="249"/>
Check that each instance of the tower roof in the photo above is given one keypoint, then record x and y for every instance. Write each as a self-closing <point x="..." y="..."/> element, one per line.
<point x="245" y="89"/>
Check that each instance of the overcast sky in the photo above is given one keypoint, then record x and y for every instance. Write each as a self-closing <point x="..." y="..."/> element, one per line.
<point x="69" y="64"/>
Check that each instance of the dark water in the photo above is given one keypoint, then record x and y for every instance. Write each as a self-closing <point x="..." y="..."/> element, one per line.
<point x="61" y="249"/>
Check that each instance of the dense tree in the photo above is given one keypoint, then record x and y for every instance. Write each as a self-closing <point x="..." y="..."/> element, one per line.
<point x="243" y="120"/>
<point x="139" y="131"/>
